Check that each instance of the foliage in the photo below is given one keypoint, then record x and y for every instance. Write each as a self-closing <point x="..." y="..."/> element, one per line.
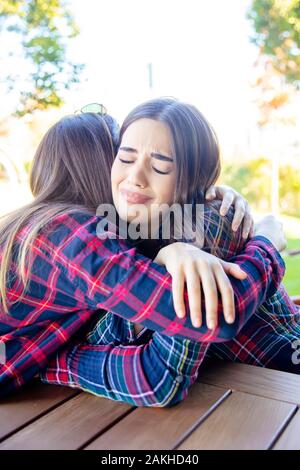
<point x="289" y="190"/>
<point x="291" y="279"/>
<point x="253" y="181"/>
<point x="277" y="34"/>
<point x="45" y="27"/>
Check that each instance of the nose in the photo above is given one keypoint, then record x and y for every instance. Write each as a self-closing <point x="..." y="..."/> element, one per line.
<point x="137" y="176"/>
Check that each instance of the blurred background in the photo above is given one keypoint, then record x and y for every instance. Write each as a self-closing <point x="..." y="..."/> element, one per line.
<point x="237" y="61"/>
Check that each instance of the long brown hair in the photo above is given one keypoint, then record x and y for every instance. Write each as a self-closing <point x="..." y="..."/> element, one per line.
<point x="70" y="172"/>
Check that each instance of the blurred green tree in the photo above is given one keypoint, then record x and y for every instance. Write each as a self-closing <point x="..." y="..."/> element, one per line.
<point x="290" y="190"/>
<point x="276" y="25"/>
<point x="45" y="26"/>
<point x="277" y="34"/>
<point x="252" y="180"/>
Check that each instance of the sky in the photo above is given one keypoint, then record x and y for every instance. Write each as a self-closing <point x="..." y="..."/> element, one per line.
<point x="199" y="50"/>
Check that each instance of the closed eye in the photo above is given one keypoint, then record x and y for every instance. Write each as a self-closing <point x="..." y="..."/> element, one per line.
<point x="125" y="161"/>
<point x="161" y="172"/>
<point x="155" y="169"/>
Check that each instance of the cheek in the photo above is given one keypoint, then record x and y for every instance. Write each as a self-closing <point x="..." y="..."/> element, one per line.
<point x="116" y="175"/>
<point x="165" y="188"/>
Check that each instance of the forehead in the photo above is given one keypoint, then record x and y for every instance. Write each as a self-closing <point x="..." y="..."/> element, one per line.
<point x="148" y="134"/>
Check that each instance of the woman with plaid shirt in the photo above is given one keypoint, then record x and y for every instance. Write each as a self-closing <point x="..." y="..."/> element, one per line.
<point x="56" y="274"/>
<point x="79" y="365"/>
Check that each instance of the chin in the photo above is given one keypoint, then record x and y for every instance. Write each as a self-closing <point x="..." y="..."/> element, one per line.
<point x="130" y="215"/>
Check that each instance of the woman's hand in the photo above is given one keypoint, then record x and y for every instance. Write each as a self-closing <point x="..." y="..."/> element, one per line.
<point x="272" y="229"/>
<point x="189" y="265"/>
<point x="230" y="197"/>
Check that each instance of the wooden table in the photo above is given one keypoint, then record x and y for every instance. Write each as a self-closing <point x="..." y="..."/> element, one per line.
<point x="233" y="406"/>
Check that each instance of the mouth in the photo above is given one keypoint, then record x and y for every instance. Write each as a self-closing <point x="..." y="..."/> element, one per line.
<point x="134" y="197"/>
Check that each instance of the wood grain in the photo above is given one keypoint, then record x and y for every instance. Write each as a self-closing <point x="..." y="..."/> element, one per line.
<point x="161" y="428"/>
<point x="69" y="426"/>
<point x="269" y="383"/>
<point x="290" y="438"/>
<point x="241" y="422"/>
<point x="29" y="403"/>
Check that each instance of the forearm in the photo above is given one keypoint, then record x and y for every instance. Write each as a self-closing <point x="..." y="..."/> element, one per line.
<point x="109" y="274"/>
<point x="265" y="270"/>
<point x="259" y="259"/>
<point x="156" y="374"/>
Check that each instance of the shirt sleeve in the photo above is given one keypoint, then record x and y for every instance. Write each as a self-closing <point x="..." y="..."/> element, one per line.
<point x="156" y="374"/>
<point x="105" y="272"/>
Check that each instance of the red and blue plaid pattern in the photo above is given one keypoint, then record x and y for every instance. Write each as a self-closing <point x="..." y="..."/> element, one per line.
<point x="74" y="273"/>
<point x="149" y="369"/>
<point x="271" y="337"/>
<point x="266" y="340"/>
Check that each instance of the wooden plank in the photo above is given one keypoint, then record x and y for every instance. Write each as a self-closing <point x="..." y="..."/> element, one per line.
<point x="69" y="426"/>
<point x="29" y="403"/>
<point x="241" y="422"/>
<point x="269" y="383"/>
<point x="290" y="438"/>
<point x="160" y="428"/>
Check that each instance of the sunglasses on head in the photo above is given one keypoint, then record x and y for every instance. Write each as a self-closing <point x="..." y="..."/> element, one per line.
<point x="112" y="124"/>
<point x="95" y="108"/>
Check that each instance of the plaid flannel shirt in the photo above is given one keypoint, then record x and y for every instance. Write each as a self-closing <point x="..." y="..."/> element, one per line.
<point x="270" y="338"/>
<point x="144" y="369"/>
<point x="74" y="273"/>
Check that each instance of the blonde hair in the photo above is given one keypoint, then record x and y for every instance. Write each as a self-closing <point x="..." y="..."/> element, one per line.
<point x="70" y="172"/>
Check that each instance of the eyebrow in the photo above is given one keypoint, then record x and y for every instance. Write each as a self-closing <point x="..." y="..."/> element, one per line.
<point x="156" y="155"/>
<point x="159" y="156"/>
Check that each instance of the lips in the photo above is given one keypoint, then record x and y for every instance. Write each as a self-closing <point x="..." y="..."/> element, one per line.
<point x="133" y="197"/>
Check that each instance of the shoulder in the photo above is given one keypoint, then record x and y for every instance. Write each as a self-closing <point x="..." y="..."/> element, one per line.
<point x="68" y="225"/>
<point x="213" y="220"/>
<point x="72" y="232"/>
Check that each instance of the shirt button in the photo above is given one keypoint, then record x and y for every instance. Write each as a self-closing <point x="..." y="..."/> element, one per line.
<point x="179" y="379"/>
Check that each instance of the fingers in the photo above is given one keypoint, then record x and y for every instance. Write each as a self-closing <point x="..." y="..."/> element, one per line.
<point x="243" y="215"/>
<point x="248" y="223"/>
<point x="210" y="194"/>
<point x="178" y="294"/>
<point x="197" y="270"/>
<point x="239" y="213"/>
<point x="227" y="294"/>
<point x="194" y="293"/>
<point x="210" y="295"/>
<point x="242" y="212"/>
<point x="227" y="202"/>
<point x="213" y="280"/>
<point x="233" y="269"/>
